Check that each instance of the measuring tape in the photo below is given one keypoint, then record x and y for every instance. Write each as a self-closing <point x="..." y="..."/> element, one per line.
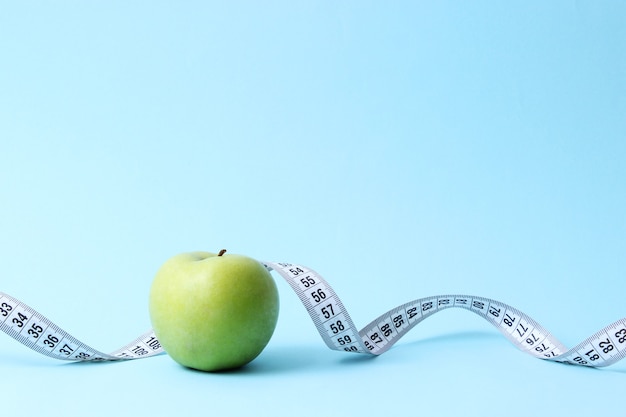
<point x="335" y="326"/>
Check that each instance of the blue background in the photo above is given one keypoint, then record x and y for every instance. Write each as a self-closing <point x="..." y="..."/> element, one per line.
<point x="402" y="149"/>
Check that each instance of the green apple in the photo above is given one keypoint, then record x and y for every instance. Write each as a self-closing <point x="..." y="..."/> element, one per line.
<point x="213" y="311"/>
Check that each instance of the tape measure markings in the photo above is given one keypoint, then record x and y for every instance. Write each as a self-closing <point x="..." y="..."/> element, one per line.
<point x="324" y="306"/>
<point x="521" y="330"/>
<point x="37" y="332"/>
<point x="335" y="326"/>
<point x="608" y="344"/>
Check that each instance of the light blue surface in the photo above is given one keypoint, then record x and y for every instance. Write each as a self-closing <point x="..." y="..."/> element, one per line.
<point x="401" y="150"/>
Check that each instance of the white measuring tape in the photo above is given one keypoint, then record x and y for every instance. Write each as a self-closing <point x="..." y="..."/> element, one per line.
<point x="335" y="326"/>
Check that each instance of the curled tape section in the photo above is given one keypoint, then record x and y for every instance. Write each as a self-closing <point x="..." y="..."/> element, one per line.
<point x="335" y="326"/>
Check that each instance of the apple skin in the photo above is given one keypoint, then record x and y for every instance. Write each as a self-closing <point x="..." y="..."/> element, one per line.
<point x="213" y="312"/>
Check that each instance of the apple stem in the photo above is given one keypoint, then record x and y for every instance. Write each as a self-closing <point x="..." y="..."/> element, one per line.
<point x="223" y="251"/>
